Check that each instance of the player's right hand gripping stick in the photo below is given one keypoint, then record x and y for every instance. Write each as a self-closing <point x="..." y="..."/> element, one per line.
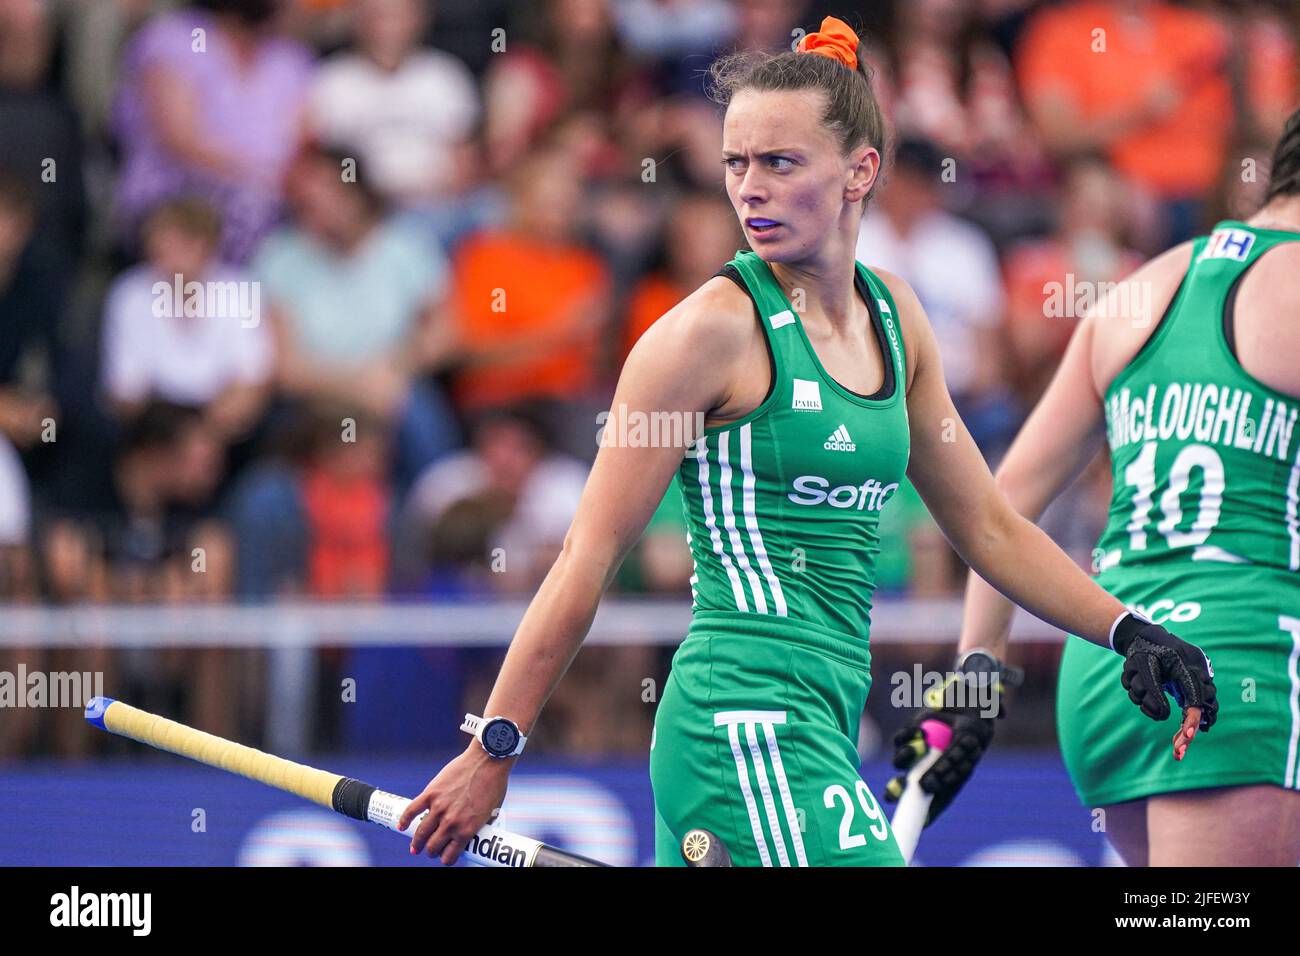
<point x="968" y="703"/>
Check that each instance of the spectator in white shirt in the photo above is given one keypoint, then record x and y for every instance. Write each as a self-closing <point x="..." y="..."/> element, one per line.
<point x="412" y="112"/>
<point x="509" y="467"/>
<point x="15" y="500"/>
<point x="185" y="328"/>
<point x="954" y="269"/>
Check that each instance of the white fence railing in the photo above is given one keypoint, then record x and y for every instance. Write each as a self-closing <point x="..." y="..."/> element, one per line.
<point x="290" y="632"/>
<point x="323" y="624"/>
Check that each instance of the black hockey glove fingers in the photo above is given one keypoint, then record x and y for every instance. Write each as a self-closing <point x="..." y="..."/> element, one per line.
<point x="1157" y="663"/>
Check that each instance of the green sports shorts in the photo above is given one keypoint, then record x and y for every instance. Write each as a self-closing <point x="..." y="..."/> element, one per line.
<point x="755" y="740"/>
<point x="1247" y="620"/>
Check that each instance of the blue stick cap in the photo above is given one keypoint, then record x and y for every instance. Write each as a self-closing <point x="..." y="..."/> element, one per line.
<point x="95" y="710"/>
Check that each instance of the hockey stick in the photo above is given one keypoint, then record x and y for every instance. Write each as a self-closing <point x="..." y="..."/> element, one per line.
<point x="491" y="846"/>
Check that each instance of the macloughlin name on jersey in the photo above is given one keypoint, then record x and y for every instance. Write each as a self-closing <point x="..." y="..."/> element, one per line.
<point x="1203" y="412"/>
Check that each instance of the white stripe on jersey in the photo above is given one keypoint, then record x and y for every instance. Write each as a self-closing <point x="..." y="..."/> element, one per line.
<point x="743" y="773"/>
<point x="695" y="572"/>
<point x="768" y="718"/>
<point x="743" y="716"/>
<point x="751" y="522"/>
<point x="706" y="497"/>
<point x="1293" y="669"/>
<point x="1293" y="513"/>
<point x="769" y="805"/>
<point x="729" y="522"/>
<point x="783" y="786"/>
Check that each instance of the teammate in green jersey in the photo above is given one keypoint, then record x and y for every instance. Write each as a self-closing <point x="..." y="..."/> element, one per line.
<point x="1198" y="398"/>
<point x="806" y="385"/>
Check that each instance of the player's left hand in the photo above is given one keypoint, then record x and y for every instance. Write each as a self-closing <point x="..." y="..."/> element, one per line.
<point x="1157" y="663"/>
<point x="464" y="795"/>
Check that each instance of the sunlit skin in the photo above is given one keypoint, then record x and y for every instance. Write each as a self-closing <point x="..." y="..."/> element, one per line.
<point x="783" y="164"/>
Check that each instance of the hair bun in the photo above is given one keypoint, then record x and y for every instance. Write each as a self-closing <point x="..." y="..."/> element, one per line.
<point x="835" y="39"/>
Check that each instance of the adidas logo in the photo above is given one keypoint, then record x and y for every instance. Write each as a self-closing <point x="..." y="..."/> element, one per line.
<point x="840" y="441"/>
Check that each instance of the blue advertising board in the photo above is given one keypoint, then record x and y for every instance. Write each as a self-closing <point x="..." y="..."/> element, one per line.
<point x="158" y="811"/>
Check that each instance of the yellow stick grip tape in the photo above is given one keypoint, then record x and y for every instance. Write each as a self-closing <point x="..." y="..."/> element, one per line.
<point x="307" y="782"/>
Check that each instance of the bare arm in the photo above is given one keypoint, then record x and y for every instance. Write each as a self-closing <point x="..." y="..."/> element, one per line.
<point x="682" y="364"/>
<point x="677" y="366"/>
<point x="234" y="412"/>
<point x="997" y="542"/>
<point x="296" y="371"/>
<point x="1066" y="429"/>
<point x="1054" y="446"/>
<point x="175" y="116"/>
<point x="435" y="339"/>
<point x="1065" y="130"/>
<point x="379" y="382"/>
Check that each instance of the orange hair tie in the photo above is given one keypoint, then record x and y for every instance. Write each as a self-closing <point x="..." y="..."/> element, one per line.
<point x="835" y="39"/>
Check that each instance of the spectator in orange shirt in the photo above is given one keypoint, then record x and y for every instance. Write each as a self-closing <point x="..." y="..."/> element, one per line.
<point x="698" y="239"/>
<point x="1142" y="80"/>
<point x="532" y="305"/>
<point x="1263" y="67"/>
<point x="346" y="502"/>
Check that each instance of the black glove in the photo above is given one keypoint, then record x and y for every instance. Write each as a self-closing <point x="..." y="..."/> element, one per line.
<point x="970" y="711"/>
<point x="1157" y="662"/>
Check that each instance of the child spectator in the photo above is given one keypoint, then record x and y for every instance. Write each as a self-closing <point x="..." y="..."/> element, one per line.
<point x="158" y="345"/>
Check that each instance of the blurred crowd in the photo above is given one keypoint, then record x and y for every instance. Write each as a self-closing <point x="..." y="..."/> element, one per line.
<point x="322" y="297"/>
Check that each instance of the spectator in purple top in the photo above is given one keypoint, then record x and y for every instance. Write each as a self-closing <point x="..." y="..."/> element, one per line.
<point x="211" y="103"/>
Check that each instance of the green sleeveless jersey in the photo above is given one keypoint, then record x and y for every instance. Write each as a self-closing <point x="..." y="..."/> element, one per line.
<point x="783" y="505"/>
<point x="1204" y="456"/>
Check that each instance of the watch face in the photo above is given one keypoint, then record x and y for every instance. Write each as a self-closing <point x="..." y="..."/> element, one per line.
<point x="500" y="737"/>
<point x="978" y="662"/>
